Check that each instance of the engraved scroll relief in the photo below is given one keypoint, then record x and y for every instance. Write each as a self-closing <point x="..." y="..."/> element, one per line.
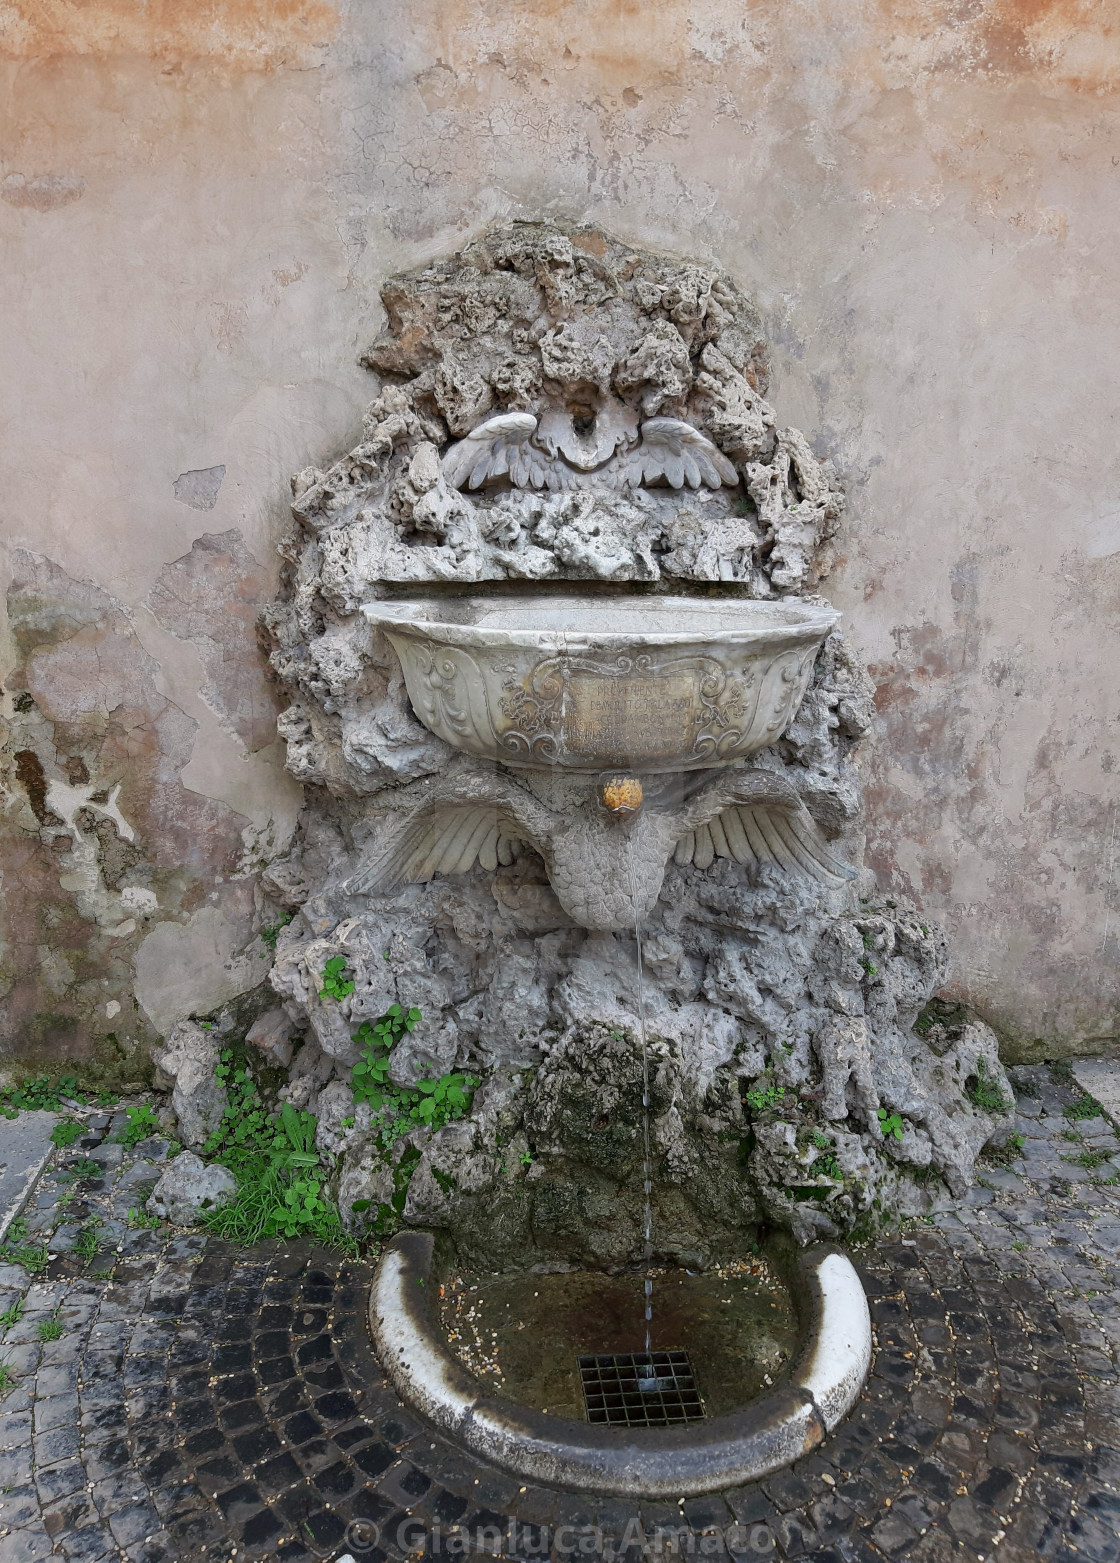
<point x="783" y="689"/>
<point x="448" y="692"/>
<point x="633" y="708"/>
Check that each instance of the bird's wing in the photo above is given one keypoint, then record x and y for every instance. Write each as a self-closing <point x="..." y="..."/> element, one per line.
<point x="452" y="826"/>
<point x="441" y="839"/>
<point x="756" y="817"/>
<point x="673" y="450"/>
<point x="500" y="446"/>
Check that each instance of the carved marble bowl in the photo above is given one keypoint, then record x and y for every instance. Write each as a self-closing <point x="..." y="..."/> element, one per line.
<point x="642" y="684"/>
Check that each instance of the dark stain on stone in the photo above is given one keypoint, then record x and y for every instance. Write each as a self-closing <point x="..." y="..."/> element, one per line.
<point x="43" y="192"/>
<point x="76" y="772"/>
<point x="29" y="769"/>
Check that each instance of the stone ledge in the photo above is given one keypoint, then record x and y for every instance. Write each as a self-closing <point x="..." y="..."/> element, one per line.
<point x="772" y="1432"/>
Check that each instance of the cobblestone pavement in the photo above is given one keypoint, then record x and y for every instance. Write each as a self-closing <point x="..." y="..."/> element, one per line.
<point x="204" y="1403"/>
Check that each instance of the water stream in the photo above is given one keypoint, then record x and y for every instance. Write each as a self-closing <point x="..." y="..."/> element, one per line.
<point x="647" y="1174"/>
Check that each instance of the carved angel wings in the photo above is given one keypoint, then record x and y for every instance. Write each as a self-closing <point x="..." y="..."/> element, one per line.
<point x="518" y="445"/>
<point x="754" y="817"/>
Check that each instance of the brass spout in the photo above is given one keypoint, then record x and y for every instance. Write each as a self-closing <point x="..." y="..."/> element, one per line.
<point x="621" y="795"/>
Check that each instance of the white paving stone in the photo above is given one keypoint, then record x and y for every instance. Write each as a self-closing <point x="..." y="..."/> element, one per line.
<point x="1100" y="1077"/>
<point x="25" y="1149"/>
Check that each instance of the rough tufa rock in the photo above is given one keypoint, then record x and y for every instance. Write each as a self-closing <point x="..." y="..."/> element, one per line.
<point x="186" y="1065"/>
<point x="189" y="1188"/>
<point x="272" y="1033"/>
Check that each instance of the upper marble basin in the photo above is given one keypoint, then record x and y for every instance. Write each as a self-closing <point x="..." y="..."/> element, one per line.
<point x="642" y="684"/>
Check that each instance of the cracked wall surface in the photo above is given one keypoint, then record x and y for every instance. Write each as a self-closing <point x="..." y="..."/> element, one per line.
<point x="197" y="211"/>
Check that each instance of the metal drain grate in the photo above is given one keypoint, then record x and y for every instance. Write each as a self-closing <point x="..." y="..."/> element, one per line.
<point x="640" y="1389"/>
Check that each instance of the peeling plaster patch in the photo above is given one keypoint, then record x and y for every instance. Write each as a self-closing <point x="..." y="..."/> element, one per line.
<point x="65" y="801"/>
<point x="199" y="488"/>
<point x="243" y="35"/>
<point x="1103" y="537"/>
<point x="1075" y="42"/>
<point x="43" y="192"/>
<point x="134" y="898"/>
<point x="254" y="785"/>
<point x="109" y="832"/>
<point x="211" y="597"/>
<point x="194" y="967"/>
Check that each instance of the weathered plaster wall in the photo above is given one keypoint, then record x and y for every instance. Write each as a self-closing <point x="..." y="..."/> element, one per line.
<point x="197" y="206"/>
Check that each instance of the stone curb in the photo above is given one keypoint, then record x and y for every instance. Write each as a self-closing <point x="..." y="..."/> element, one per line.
<point x="24" y="1149"/>
<point x="772" y="1432"/>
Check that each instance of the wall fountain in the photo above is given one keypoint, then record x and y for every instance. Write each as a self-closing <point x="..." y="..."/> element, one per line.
<point x="577" y="730"/>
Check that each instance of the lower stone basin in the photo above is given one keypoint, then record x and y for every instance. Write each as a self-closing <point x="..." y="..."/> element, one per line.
<point x="591" y="683"/>
<point x="523" y="1334"/>
<point x="817" y="1387"/>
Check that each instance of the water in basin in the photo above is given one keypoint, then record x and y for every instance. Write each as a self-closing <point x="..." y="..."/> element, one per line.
<point x="521" y="1334"/>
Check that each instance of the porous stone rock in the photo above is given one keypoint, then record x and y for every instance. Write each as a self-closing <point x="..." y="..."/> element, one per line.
<point x="779" y="1023"/>
<point x="272" y="1033"/>
<point x="186" y="1064"/>
<point x="189" y="1188"/>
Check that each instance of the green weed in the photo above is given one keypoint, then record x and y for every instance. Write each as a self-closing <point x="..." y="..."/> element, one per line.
<point x="7" y="1378"/>
<point x="139" y="1220"/>
<point x="825" y="1165"/>
<point x="1086" y="1107"/>
<point x="1089" y="1159"/>
<point x="764" y="1099"/>
<point x="271" y="932"/>
<point x="49" y="1329"/>
<point x="18" y="1249"/>
<point x="78" y="1171"/>
<point x="142" y="1122"/>
<point x="65" y="1133"/>
<point x="279" y="1173"/>
<point x="43" y="1095"/>
<point x="88" y="1246"/>
<point x="985" y="1093"/>
<point x="12" y="1315"/>
<point x="335" y="985"/>
<point x="889" y="1123"/>
<point x="429" y="1104"/>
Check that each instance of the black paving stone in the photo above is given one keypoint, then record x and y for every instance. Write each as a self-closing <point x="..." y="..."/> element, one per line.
<point x="257" y="1445"/>
<point x="246" y="1413"/>
<point x="335" y="1407"/>
<point x="261" y="1528"/>
<point x="276" y="1370"/>
<point x="283" y="1430"/>
<point x="277" y="1474"/>
<point x="239" y="1502"/>
<point x="301" y="1427"/>
<point x="204" y="1442"/>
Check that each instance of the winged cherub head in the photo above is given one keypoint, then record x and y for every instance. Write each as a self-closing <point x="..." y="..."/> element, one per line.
<point x="581" y="444"/>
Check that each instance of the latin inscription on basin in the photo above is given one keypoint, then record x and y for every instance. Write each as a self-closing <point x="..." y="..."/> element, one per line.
<point x="633" y="718"/>
<point x="619" y="711"/>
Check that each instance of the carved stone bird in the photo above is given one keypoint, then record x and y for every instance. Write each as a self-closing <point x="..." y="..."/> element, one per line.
<point x="556" y="452"/>
<point x="606" y="870"/>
